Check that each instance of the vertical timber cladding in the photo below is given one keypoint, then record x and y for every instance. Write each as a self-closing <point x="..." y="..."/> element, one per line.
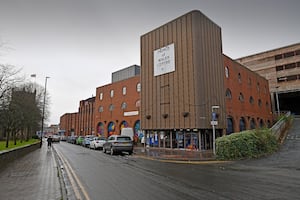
<point x="181" y="96"/>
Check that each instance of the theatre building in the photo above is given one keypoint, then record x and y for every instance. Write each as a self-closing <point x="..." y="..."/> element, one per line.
<point x="184" y="86"/>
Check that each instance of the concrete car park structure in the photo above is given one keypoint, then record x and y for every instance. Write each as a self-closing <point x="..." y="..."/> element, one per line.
<point x="281" y="67"/>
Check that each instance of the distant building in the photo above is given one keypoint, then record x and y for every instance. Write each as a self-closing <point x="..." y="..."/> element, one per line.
<point x="86" y="117"/>
<point x="281" y="67"/>
<point x="52" y="129"/>
<point x="69" y="124"/>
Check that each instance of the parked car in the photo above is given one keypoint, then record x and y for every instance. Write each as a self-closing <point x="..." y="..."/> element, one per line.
<point x="118" y="144"/>
<point x="72" y="139"/>
<point x="87" y="140"/>
<point x="97" y="142"/>
<point x="79" y="140"/>
<point x="55" y="138"/>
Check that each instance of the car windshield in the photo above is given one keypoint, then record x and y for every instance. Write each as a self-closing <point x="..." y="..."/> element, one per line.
<point x="123" y="138"/>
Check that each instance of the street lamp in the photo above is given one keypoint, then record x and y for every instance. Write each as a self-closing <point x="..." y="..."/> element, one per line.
<point x="277" y="101"/>
<point x="43" y="114"/>
<point x="214" y="123"/>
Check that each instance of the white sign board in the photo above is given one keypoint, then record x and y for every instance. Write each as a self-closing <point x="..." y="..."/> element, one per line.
<point x="131" y="113"/>
<point x="214" y="123"/>
<point x="164" y="60"/>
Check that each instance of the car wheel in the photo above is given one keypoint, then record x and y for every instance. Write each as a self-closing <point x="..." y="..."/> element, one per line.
<point x="104" y="150"/>
<point x="129" y="152"/>
<point x="94" y="147"/>
<point x="112" y="151"/>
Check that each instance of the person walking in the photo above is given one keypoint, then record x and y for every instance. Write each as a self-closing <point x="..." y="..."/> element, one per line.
<point x="49" y="140"/>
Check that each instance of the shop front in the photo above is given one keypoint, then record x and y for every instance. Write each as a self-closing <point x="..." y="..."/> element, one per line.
<point x="181" y="139"/>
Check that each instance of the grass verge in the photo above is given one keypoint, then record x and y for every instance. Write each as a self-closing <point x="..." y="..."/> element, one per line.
<point x="11" y="144"/>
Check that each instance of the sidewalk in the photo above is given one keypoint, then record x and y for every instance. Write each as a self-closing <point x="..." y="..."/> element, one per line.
<point x="174" y="154"/>
<point x="33" y="176"/>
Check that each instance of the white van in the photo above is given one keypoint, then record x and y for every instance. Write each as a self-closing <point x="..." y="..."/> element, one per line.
<point x="127" y="132"/>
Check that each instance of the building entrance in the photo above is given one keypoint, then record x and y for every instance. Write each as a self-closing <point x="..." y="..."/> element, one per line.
<point x="289" y="102"/>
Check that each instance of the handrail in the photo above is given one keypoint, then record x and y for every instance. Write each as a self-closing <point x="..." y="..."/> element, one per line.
<point x="280" y="126"/>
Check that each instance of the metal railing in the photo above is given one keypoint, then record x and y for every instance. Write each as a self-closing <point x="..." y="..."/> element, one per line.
<point x="279" y="127"/>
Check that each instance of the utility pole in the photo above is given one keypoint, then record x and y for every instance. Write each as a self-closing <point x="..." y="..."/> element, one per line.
<point x="43" y="114"/>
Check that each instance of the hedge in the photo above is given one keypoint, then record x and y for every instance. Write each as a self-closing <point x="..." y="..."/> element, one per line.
<point x="246" y="144"/>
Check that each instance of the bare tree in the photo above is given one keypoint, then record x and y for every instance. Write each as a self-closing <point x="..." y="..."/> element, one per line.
<point x="9" y="78"/>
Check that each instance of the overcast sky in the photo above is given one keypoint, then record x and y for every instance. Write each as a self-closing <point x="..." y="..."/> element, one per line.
<point x="79" y="43"/>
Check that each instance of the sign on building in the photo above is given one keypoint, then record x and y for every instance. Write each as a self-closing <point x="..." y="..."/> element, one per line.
<point x="164" y="60"/>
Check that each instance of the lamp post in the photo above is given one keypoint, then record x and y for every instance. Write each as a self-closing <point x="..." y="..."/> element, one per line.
<point x="214" y="122"/>
<point x="277" y="101"/>
<point x="43" y="113"/>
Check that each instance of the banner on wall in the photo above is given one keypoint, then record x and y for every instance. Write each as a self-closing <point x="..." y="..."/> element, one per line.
<point x="164" y="60"/>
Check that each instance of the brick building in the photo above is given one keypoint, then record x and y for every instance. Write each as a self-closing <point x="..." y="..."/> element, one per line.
<point x="69" y="124"/>
<point x="117" y="105"/>
<point x="86" y="117"/>
<point x="248" y="103"/>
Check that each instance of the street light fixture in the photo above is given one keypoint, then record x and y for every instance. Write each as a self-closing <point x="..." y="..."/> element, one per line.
<point x="214" y="122"/>
<point x="277" y="101"/>
<point x="43" y="114"/>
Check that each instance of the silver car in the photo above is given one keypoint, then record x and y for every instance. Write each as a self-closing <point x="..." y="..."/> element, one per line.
<point x="118" y="144"/>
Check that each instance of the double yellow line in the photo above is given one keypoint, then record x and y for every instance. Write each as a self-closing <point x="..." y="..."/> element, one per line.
<point x="79" y="190"/>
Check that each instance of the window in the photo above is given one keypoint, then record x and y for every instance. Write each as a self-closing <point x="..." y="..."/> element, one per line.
<point x="112" y="93"/>
<point x="101" y="95"/>
<point x="239" y="77"/>
<point x="297" y="52"/>
<point x="228" y="94"/>
<point x="138" y="87"/>
<point x="258" y="86"/>
<point x="265" y="90"/>
<point x="288" y="54"/>
<point x="259" y="102"/>
<point x="279" y="68"/>
<point x="278" y="57"/>
<point x="249" y="81"/>
<point x="138" y="103"/>
<point x="251" y="100"/>
<point x="281" y="79"/>
<point x="101" y="109"/>
<point x="226" y="72"/>
<point x="124" y="90"/>
<point x="292" y="78"/>
<point x="111" y="107"/>
<point x="241" y="97"/>
<point x="123" y="105"/>
<point x="290" y="66"/>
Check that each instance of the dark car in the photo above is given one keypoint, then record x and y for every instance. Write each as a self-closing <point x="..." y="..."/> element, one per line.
<point x="118" y="144"/>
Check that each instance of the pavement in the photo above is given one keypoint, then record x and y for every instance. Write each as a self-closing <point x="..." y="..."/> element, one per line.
<point x="37" y="175"/>
<point x="33" y="176"/>
<point x="167" y="154"/>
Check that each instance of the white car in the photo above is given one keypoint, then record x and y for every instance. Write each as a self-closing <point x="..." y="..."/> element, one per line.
<point x="97" y="142"/>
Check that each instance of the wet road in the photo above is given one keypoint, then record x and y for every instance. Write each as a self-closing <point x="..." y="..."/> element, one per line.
<point x="127" y="177"/>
